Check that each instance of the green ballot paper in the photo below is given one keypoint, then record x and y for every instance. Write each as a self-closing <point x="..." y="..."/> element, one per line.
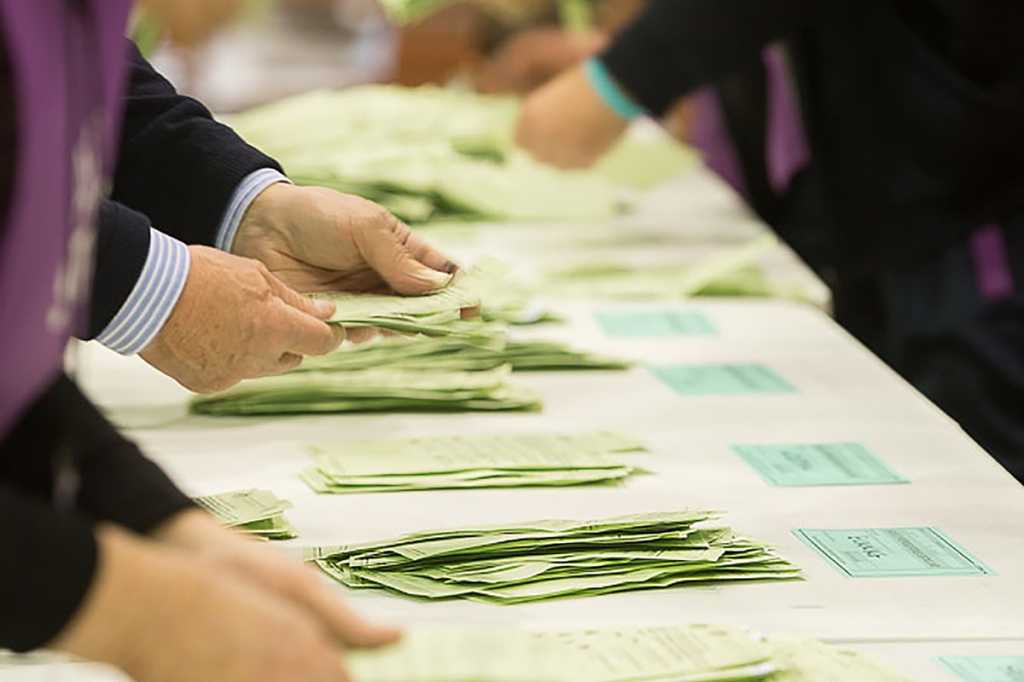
<point x="254" y="512"/>
<point x="430" y="314"/>
<point x="459" y="354"/>
<point x="684" y="653"/>
<point x="985" y="668"/>
<point x="498" y="461"/>
<point x="806" y="660"/>
<point x="892" y="552"/>
<point x="817" y="464"/>
<point x="373" y="390"/>
<point x="727" y="380"/>
<point x="662" y="653"/>
<point x="427" y="154"/>
<point x="539" y="560"/>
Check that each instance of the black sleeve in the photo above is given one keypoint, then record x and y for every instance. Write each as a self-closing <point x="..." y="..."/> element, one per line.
<point x="46" y="568"/>
<point x="122" y="245"/>
<point x="676" y="46"/>
<point x="63" y="468"/>
<point x="177" y="165"/>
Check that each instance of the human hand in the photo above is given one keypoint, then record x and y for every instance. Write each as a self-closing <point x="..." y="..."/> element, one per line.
<point x="250" y="560"/>
<point x="531" y="58"/>
<point x="566" y="124"/>
<point x="317" y="239"/>
<point x="235" y="320"/>
<point x="162" y="615"/>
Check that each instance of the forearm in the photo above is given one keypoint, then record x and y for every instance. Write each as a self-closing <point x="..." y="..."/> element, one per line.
<point x="677" y="46"/>
<point x="141" y="272"/>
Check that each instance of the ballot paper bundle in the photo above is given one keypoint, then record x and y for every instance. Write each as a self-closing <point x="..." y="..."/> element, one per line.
<point x="254" y="512"/>
<point x="435" y="314"/>
<point x="453" y="462"/>
<point x="431" y="154"/>
<point x="549" y="559"/>
<point x="665" y="653"/>
<point x="457" y="354"/>
<point x="372" y="390"/>
<point x="735" y="272"/>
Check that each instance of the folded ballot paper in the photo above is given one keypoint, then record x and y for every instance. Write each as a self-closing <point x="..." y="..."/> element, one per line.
<point x="733" y="272"/>
<point x="664" y="653"/>
<point x="254" y="512"/>
<point x="548" y="559"/>
<point x="431" y="314"/>
<point x="457" y="354"/>
<point x="425" y="153"/>
<point x="373" y="390"/>
<point x="492" y="461"/>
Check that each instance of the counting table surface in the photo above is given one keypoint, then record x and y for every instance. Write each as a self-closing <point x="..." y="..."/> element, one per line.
<point x="842" y="394"/>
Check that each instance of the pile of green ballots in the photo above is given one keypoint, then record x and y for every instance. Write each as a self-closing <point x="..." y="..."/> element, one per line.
<point x="430" y="154"/>
<point x="253" y="512"/>
<point x="459" y="354"/>
<point x="373" y="390"/>
<point x="532" y="561"/>
<point x="663" y="653"/>
<point x="492" y="461"/>
<point x="435" y="314"/>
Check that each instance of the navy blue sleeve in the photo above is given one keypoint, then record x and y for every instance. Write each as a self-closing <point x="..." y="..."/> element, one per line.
<point x="177" y="165"/>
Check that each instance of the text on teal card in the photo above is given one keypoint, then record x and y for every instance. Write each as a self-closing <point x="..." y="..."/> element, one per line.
<point x="722" y="379"/>
<point x="986" y="668"/>
<point x="654" y="323"/>
<point x="813" y="464"/>
<point x="892" y="552"/>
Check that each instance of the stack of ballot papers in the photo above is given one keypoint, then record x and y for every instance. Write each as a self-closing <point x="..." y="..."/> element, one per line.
<point x="253" y="512"/>
<point x="734" y="272"/>
<point x="435" y="314"/>
<point x="430" y="154"/>
<point x="548" y="559"/>
<point x="664" y="653"/>
<point x="450" y="462"/>
<point x="457" y="354"/>
<point x="372" y="390"/>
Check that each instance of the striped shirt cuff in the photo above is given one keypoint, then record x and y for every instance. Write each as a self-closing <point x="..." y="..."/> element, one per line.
<point x="246" y="192"/>
<point x="154" y="296"/>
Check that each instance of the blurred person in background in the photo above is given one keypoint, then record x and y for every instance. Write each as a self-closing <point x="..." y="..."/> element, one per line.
<point x="896" y="169"/>
<point x="109" y="560"/>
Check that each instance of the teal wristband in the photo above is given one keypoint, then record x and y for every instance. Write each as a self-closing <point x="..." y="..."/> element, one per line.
<point x="609" y="91"/>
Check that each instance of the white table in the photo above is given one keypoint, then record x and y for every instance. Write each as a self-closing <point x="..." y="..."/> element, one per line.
<point x="844" y="394"/>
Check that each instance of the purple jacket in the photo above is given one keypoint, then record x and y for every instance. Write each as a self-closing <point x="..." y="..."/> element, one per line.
<point x="68" y="68"/>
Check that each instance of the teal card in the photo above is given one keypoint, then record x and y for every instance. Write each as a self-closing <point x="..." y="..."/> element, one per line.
<point x="722" y="379"/>
<point x="986" y="668"/>
<point x="636" y="324"/>
<point x="817" y="464"/>
<point x="892" y="552"/>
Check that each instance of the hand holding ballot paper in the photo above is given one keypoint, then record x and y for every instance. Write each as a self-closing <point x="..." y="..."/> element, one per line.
<point x="290" y="240"/>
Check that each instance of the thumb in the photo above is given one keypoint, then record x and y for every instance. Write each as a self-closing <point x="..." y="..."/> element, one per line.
<point x="318" y="308"/>
<point x="385" y="248"/>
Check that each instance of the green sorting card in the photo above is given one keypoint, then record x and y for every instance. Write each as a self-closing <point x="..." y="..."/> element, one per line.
<point x="817" y="464"/>
<point x="892" y="552"/>
<point x="986" y="668"/>
<point x="635" y="324"/>
<point x="726" y="379"/>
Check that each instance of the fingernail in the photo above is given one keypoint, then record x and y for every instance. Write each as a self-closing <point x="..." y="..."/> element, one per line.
<point x="451" y="268"/>
<point x="440" y="280"/>
<point x="324" y="308"/>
